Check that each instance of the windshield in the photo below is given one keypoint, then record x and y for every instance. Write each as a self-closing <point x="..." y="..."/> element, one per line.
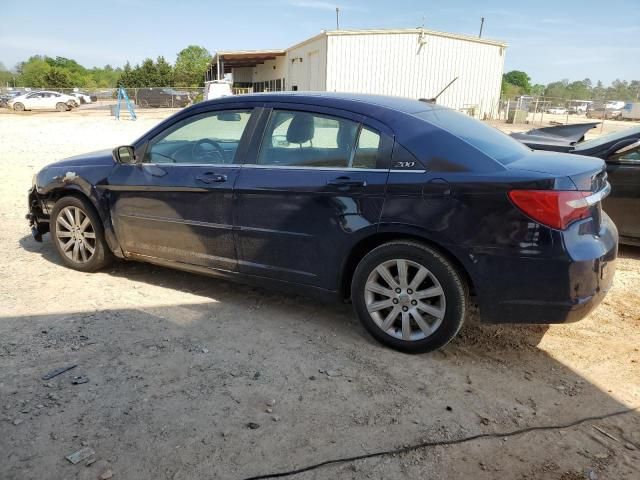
<point x="490" y="141"/>
<point x="608" y="138"/>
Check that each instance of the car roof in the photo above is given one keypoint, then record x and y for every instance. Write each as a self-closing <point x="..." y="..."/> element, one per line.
<point x="355" y="102"/>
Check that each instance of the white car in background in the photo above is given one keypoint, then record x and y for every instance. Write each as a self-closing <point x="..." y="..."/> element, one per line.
<point x="557" y="111"/>
<point x="43" y="100"/>
<point x="82" y="97"/>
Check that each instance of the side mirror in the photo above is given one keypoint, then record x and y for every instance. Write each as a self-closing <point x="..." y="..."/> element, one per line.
<point x="124" y="154"/>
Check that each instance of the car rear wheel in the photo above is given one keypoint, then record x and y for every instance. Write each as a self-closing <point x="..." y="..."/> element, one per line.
<point x="409" y="297"/>
<point x="18" y="107"/>
<point x="144" y="103"/>
<point x="77" y="235"/>
<point x="61" y="107"/>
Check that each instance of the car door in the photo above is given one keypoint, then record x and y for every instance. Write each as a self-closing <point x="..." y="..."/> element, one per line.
<point x="310" y="188"/>
<point x="35" y="101"/>
<point x="623" y="203"/>
<point x="176" y="204"/>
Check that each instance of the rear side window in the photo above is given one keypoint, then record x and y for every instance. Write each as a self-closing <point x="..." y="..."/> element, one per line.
<point x="490" y="141"/>
<point x="304" y="139"/>
<point x="367" y="149"/>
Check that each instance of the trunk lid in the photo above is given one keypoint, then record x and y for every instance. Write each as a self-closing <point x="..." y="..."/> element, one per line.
<point x="587" y="173"/>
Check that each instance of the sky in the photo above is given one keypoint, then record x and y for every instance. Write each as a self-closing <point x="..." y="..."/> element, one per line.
<point x="550" y="40"/>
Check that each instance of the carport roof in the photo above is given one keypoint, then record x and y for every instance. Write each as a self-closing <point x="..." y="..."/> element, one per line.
<point x="245" y="58"/>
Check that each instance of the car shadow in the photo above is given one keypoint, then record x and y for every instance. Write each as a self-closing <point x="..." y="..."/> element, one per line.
<point x="474" y="335"/>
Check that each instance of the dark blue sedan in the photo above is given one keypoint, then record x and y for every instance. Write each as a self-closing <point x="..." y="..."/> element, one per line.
<point x="409" y="209"/>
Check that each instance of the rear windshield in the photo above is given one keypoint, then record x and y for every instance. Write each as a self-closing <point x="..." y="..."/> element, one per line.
<point x="490" y="141"/>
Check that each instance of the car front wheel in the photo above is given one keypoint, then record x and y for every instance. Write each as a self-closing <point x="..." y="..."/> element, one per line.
<point x="77" y="235"/>
<point x="18" y="107"/>
<point x="409" y="296"/>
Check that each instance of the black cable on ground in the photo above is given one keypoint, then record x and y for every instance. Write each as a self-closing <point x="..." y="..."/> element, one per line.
<point x="439" y="443"/>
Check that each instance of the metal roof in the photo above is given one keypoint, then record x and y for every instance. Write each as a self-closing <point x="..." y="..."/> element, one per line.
<point x="250" y="58"/>
<point x="245" y="58"/>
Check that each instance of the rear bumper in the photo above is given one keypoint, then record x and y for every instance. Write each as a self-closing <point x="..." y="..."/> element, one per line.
<point x="558" y="288"/>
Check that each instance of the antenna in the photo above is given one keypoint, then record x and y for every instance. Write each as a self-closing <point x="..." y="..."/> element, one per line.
<point x="481" y="25"/>
<point x="337" y="18"/>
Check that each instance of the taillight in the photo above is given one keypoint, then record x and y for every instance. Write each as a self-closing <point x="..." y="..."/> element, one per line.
<point x="555" y="209"/>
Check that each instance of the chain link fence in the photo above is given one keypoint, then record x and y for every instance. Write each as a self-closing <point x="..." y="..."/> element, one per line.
<point x="543" y="111"/>
<point x="104" y="98"/>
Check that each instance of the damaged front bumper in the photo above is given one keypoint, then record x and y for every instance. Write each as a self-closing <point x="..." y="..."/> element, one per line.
<point x="38" y="219"/>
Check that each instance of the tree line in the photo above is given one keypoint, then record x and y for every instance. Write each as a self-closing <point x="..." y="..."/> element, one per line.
<point x="516" y="83"/>
<point x="41" y="71"/>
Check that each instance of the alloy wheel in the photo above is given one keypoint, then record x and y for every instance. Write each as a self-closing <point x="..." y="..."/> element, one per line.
<point x="405" y="300"/>
<point x="75" y="234"/>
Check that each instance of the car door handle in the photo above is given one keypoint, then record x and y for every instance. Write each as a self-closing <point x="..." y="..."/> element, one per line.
<point x="211" y="177"/>
<point x="346" y="182"/>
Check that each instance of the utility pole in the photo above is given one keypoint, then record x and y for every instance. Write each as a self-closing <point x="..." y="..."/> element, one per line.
<point x="481" y="25"/>
<point x="337" y="18"/>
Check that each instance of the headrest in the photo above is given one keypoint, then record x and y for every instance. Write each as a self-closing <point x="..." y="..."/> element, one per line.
<point x="301" y="128"/>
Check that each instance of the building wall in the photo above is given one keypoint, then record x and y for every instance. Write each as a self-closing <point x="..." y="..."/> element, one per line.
<point x="266" y="71"/>
<point x="306" y="65"/>
<point x="243" y="75"/>
<point x="396" y="64"/>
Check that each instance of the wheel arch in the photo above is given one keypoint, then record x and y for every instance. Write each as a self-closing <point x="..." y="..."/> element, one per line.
<point x="365" y="245"/>
<point x="75" y="190"/>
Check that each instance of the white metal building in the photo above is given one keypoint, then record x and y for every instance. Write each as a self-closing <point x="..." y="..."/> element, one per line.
<point x="414" y="63"/>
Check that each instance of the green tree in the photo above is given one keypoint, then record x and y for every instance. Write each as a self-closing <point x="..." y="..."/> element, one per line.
<point x="519" y="79"/>
<point x="164" y="73"/>
<point x="7" y="78"/>
<point x="57" y="78"/>
<point x="191" y="65"/>
<point x="147" y="74"/>
<point x="537" y="90"/>
<point x="32" y="73"/>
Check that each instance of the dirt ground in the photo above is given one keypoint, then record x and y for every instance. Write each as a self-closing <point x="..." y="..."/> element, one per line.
<point x="179" y="365"/>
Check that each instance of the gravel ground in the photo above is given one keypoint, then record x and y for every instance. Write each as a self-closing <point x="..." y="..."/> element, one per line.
<point x="180" y="367"/>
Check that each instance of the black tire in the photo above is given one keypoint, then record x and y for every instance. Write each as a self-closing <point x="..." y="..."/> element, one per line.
<point x="101" y="256"/>
<point x="18" y="107"/>
<point x="62" y="107"/>
<point x="454" y="288"/>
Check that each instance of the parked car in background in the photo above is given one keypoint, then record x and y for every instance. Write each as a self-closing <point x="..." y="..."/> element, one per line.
<point x="557" y="110"/>
<point x="404" y="207"/>
<point x="621" y="152"/>
<point x="9" y="95"/>
<point x="84" y="97"/>
<point x="162" y="97"/>
<point x="604" y="112"/>
<point x="217" y="89"/>
<point x="631" y="111"/>
<point x="578" y="107"/>
<point x="615" y="105"/>
<point x="43" y="100"/>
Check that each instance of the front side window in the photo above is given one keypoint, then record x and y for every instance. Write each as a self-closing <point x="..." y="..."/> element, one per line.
<point x="304" y="139"/>
<point x="209" y="138"/>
